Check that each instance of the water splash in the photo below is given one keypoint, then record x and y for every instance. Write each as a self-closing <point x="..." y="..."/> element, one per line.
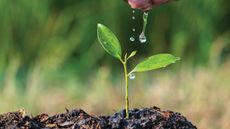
<point x="142" y="36"/>
<point x="132" y="76"/>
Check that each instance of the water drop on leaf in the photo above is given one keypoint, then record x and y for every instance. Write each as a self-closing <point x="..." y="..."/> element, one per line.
<point x="132" y="76"/>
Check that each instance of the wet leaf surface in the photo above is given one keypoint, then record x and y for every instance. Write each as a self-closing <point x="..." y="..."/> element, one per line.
<point x="146" y="118"/>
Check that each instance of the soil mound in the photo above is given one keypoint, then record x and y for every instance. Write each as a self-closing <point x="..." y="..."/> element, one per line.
<point x="146" y="118"/>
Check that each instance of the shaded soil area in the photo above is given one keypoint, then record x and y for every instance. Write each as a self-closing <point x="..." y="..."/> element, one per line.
<point x="146" y="118"/>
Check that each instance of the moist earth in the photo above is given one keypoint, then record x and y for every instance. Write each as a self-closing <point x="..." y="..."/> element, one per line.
<point x="145" y="118"/>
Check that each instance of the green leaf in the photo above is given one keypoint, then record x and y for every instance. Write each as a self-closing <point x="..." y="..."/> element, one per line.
<point x="132" y="54"/>
<point x="109" y="41"/>
<point x="155" y="62"/>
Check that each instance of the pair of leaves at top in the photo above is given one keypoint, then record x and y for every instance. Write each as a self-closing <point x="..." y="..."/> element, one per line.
<point x="112" y="45"/>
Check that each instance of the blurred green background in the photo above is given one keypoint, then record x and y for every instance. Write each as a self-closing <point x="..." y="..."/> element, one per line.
<point x="50" y="58"/>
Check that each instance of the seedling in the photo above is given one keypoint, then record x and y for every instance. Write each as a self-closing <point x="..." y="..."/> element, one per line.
<point x="112" y="46"/>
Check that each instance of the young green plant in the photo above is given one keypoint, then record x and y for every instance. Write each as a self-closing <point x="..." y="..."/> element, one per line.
<point x="111" y="45"/>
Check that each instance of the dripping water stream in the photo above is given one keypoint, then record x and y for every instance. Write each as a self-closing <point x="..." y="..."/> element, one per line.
<point x="142" y="36"/>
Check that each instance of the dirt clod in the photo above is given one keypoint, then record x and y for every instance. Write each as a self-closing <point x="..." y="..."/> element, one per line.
<point x="146" y="118"/>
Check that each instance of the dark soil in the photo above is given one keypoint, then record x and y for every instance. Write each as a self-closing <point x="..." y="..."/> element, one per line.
<point x="147" y="118"/>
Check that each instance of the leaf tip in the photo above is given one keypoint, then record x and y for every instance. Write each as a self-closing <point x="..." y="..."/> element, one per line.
<point x="99" y="25"/>
<point x="177" y="58"/>
<point x="132" y="54"/>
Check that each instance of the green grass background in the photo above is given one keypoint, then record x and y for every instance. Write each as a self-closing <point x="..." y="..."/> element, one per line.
<point x="50" y="58"/>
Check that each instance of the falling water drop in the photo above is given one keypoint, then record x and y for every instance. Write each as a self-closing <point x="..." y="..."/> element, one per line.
<point x="132" y="39"/>
<point x="132" y="76"/>
<point x="142" y="36"/>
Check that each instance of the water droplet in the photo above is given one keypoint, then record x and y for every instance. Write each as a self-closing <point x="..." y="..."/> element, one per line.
<point x="132" y="39"/>
<point x="132" y="76"/>
<point x="142" y="37"/>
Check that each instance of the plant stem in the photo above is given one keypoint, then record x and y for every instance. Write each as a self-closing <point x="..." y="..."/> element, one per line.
<point x="126" y="88"/>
